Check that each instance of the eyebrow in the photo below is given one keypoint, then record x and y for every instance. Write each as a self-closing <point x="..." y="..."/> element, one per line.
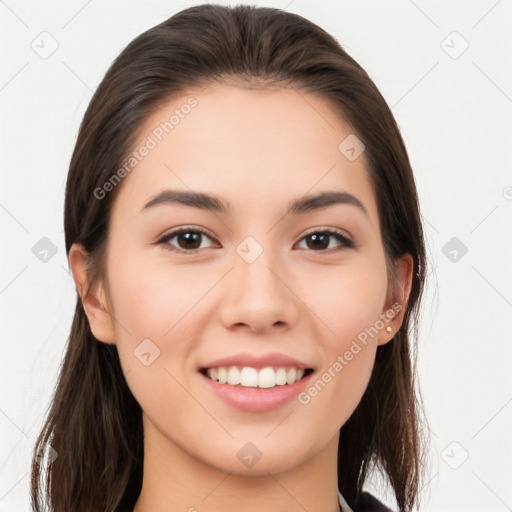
<point x="205" y="201"/>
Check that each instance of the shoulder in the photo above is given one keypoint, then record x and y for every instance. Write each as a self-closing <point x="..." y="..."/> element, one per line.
<point x="369" y="503"/>
<point x="366" y="503"/>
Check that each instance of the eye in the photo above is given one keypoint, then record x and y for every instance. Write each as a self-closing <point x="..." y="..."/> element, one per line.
<point x="320" y="240"/>
<point x="188" y="240"/>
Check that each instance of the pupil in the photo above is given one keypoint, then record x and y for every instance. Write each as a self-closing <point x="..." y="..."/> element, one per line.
<point x="191" y="240"/>
<point x="321" y="245"/>
<point x="189" y="237"/>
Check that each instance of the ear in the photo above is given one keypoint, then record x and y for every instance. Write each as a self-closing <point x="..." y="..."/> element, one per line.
<point x="93" y="300"/>
<point x="394" y="313"/>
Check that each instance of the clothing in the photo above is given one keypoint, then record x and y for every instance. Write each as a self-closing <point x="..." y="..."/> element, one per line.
<point x="367" y="503"/>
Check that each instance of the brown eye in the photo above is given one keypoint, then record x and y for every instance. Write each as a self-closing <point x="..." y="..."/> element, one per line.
<point x="187" y="240"/>
<point x="320" y="241"/>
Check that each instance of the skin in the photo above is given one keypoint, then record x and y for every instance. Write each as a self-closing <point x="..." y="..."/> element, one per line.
<point x="257" y="149"/>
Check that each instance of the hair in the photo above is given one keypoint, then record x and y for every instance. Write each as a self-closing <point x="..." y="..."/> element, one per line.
<point x="94" y="423"/>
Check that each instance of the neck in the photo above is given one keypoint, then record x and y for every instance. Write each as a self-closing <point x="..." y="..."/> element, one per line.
<point x="176" y="480"/>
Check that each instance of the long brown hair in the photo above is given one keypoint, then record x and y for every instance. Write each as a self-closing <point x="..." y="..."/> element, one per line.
<point x="89" y="455"/>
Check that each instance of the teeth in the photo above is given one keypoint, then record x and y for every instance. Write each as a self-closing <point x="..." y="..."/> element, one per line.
<point x="267" y="377"/>
<point x="233" y="376"/>
<point x="290" y="376"/>
<point x="223" y="375"/>
<point x="280" y="376"/>
<point x="248" y="376"/>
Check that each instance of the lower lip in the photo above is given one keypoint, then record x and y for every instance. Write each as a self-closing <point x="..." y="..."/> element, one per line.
<point x="257" y="399"/>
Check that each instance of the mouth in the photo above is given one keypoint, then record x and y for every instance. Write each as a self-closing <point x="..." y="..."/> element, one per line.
<point x="251" y="377"/>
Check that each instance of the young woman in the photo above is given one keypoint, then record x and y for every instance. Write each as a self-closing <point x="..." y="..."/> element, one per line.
<point x="243" y="229"/>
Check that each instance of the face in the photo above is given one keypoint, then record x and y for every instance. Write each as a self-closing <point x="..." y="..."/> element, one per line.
<point x="245" y="276"/>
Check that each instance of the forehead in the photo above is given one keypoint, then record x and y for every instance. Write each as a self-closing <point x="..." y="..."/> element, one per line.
<point x="271" y="144"/>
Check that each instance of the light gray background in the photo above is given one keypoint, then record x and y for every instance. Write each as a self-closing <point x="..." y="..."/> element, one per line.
<point x="454" y="107"/>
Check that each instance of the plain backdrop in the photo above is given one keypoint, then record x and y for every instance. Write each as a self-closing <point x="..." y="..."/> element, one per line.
<point x="445" y="70"/>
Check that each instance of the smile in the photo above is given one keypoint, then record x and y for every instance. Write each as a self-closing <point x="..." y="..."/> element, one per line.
<point x="247" y="376"/>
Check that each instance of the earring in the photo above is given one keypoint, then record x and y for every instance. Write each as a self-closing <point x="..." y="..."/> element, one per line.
<point x="388" y="328"/>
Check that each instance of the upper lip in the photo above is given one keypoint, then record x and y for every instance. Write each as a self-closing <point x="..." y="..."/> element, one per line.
<point x="255" y="361"/>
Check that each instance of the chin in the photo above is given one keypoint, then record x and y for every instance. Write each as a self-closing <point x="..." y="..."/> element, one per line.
<point x="258" y="457"/>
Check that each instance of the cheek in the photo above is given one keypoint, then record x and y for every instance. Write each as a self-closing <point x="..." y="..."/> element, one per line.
<point x="349" y="302"/>
<point x="154" y="300"/>
<point x="338" y="386"/>
<point x="154" y="334"/>
<point x="348" y="299"/>
<point x="162" y="302"/>
<point x="159" y="310"/>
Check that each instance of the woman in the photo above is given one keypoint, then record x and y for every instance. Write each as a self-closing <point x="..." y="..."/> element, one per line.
<point x="243" y="229"/>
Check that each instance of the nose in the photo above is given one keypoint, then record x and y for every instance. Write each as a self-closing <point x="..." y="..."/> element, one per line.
<point x="258" y="296"/>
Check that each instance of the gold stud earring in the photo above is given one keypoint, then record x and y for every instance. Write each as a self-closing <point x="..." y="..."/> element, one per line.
<point x="389" y="328"/>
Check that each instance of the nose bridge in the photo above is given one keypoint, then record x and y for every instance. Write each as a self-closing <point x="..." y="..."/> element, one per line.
<point x="256" y="264"/>
<point x="256" y="294"/>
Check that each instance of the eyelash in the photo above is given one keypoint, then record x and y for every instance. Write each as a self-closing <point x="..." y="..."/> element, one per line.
<point x="346" y="243"/>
